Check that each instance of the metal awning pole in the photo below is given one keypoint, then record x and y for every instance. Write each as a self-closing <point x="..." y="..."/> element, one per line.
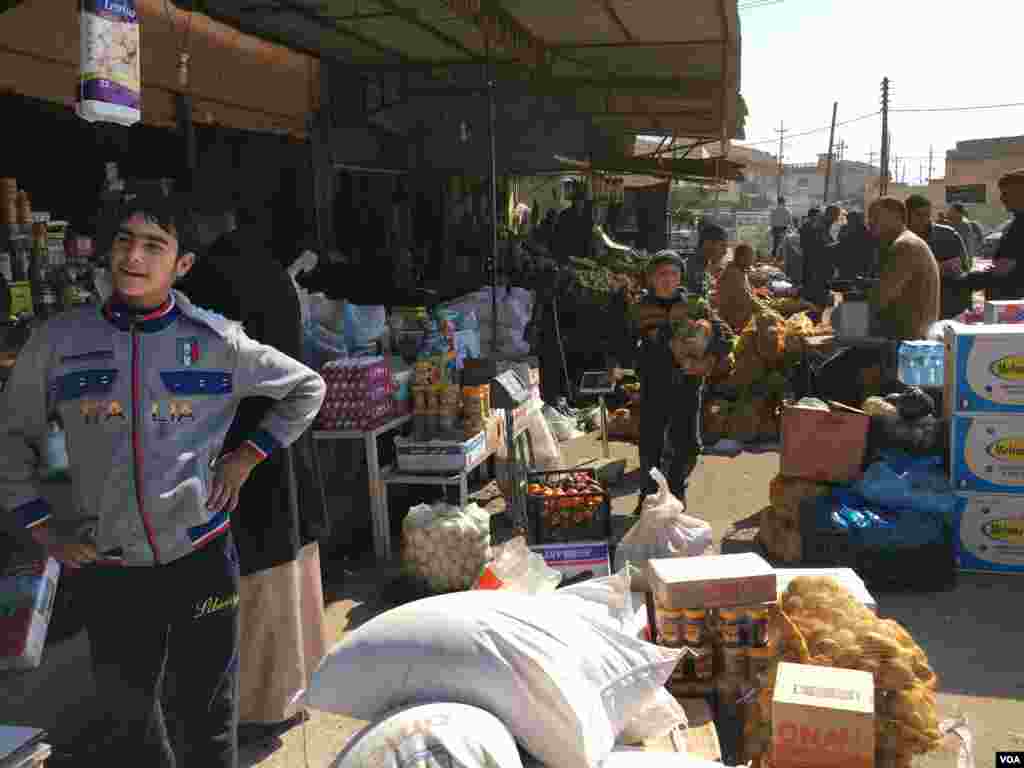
<point x="492" y="151"/>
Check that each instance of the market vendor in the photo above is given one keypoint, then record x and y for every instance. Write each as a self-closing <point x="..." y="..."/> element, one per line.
<point x="906" y="301"/>
<point x="670" y="397"/>
<point x="710" y="252"/>
<point x="146" y="390"/>
<point x="1005" y="281"/>
<point x="735" y="296"/>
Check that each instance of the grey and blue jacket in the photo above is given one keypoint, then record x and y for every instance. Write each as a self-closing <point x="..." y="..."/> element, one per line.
<point x="145" y="403"/>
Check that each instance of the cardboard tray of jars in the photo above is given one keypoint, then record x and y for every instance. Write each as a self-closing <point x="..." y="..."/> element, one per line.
<point x="726" y="651"/>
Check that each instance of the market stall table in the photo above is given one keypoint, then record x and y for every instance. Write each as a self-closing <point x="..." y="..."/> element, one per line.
<point x="445" y="480"/>
<point x="378" y="497"/>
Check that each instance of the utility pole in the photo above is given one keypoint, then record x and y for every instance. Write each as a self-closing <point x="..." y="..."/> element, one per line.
<point x="839" y="170"/>
<point x="883" y="179"/>
<point x="782" y="135"/>
<point x="831" y="141"/>
<point x="931" y="162"/>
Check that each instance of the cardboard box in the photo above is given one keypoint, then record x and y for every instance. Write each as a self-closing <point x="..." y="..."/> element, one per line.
<point x="712" y="581"/>
<point x="27" y="591"/>
<point x="575" y="557"/>
<point x="1004" y="311"/>
<point x="984" y="369"/>
<point x="436" y="456"/>
<point x="990" y="532"/>
<point x="823" y="717"/>
<point x="826" y="447"/>
<point x="987" y="453"/>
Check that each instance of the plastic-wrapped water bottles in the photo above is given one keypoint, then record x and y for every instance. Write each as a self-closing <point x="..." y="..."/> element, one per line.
<point x="936" y="364"/>
<point x="922" y="363"/>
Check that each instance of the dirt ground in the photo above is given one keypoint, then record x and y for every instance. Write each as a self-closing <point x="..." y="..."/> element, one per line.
<point x="970" y="634"/>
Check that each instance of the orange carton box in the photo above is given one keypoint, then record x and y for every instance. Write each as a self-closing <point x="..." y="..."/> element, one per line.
<point x="823" y="717"/>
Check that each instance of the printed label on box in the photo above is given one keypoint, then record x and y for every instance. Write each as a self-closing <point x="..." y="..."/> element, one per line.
<point x="985" y="368"/>
<point x="574" y="558"/>
<point x="990" y="533"/>
<point x="987" y="453"/>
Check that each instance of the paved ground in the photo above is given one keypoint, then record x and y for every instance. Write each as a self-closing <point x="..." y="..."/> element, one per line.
<point x="971" y="634"/>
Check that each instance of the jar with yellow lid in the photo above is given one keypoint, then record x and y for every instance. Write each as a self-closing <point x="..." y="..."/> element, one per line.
<point x="695" y="626"/>
<point x="730" y="627"/>
<point x="670" y="626"/>
<point x="760" y="660"/>
<point x="757" y="626"/>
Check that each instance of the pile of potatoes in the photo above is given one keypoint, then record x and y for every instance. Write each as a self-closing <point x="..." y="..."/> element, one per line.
<point x="446" y="547"/>
<point x="824" y="625"/>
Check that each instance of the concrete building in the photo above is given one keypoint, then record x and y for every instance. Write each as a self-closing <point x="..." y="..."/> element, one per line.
<point x="979" y="161"/>
<point x="803" y="184"/>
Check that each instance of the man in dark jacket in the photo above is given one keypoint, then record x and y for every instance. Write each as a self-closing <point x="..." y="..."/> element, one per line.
<point x="949" y="250"/>
<point x="280" y="515"/>
<point x="1005" y="281"/>
<point x="670" y="397"/>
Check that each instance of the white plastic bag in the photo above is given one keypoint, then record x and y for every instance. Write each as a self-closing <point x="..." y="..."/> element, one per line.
<point x="657" y="719"/>
<point x="454" y="735"/>
<point x="547" y="456"/>
<point x="515" y="568"/>
<point x="364" y="324"/>
<point x="446" y="547"/>
<point x="663" y="530"/>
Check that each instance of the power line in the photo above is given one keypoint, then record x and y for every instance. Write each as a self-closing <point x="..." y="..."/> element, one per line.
<point x="808" y="132"/>
<point x="758" y="4"/>
<point x="959" y="109"/>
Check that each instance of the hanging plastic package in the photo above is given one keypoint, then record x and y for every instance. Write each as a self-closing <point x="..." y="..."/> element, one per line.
<point x="110" y="81"/>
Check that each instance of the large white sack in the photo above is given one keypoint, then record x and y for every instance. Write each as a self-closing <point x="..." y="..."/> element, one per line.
<point x="565" y="684"/>
<point x="452" y="735"/>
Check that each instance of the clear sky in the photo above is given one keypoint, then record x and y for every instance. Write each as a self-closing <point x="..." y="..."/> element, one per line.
<point x="799" y="56"/>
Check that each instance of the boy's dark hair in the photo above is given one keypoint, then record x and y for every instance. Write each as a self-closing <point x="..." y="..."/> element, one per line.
<point x="166" y="211"/>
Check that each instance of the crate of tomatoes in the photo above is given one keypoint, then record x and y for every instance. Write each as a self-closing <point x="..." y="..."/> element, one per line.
<point x="567" y="505"/>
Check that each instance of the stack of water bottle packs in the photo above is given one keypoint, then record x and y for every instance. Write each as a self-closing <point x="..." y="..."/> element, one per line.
<point x="984" y="402"/>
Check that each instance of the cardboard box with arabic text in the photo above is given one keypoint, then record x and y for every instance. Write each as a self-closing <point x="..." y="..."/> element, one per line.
<point x="712" y="581"/>
<point x="823" y="717"/>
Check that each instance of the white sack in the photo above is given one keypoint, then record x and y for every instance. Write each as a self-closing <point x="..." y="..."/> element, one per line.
<point x="564" y="684"/>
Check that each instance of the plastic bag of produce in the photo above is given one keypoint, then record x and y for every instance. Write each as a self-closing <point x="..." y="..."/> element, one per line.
<point x="662" y="531"/>
<point x="515" y="568"/>
<point x="563" y="427"/>
<point x="546" y="453"/>
<point x="441" y="734"/>
<point x="444" y="546"/>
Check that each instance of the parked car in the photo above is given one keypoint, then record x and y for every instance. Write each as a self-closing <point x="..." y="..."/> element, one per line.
<point x="990" y="244"/>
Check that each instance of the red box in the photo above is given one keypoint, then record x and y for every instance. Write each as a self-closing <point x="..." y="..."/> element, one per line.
<point x="824" y="446"/>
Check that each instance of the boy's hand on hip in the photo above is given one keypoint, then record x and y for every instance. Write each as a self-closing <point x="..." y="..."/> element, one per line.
<point x="230" y="474"/>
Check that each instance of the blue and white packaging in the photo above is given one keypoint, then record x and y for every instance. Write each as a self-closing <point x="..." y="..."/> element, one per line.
<point x="987" y="453"/>
<point x="990" y="532"/>
<point x="573" y="558"/>
<point x="984" y="370"/>
<point x="110" y="79"/>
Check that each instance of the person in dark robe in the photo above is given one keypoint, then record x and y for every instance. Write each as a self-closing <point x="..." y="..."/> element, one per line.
<point x="280" y="519"/>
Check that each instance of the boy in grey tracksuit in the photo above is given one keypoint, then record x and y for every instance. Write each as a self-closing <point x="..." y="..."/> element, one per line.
<point x="146" y="388"/>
